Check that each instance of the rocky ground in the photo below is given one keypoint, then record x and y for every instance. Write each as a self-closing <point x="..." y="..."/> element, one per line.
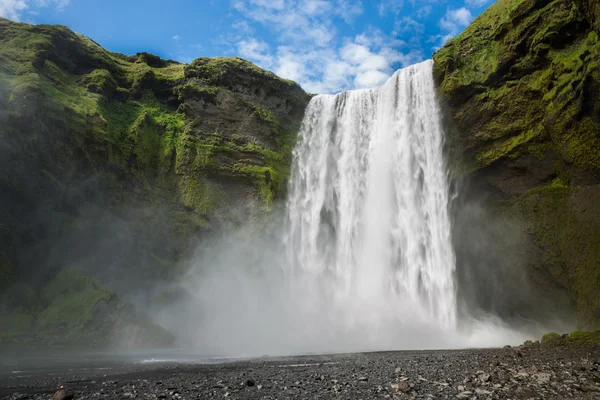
<point x="512" y="373"/>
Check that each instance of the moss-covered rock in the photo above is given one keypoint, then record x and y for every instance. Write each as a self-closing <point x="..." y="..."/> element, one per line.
<point x="575" y="338"/>
<point x="72" y="309"/>
<point x="521" y="93"/>
<point x="518" y="78"/>
<point x="120" y="164"/>
<point x="550" y="339"/>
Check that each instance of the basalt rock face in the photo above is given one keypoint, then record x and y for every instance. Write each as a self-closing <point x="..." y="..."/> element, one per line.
<point x="521" y="91"/>
<point x="117" y="166"/>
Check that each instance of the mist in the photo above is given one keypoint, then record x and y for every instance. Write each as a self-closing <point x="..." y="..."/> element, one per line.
<point x="239" y="299"/>
<point x="256" y="290"/>
<point x="366" y="254"/>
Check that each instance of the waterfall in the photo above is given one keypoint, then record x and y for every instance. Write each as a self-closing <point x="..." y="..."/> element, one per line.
<point x="368" y="203"/>
<point x="364" y="260"/>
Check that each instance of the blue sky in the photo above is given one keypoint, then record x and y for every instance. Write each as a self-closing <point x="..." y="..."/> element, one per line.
<point x="325" y="45"/>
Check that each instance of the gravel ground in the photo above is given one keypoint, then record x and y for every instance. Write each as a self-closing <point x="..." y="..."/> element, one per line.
<point x="512" y="373"/>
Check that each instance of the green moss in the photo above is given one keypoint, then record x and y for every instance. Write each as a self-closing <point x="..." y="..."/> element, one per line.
<point x="579" y="337"/>
<point x="493" y="152"/>
<point x="574" y="339"/>
<point x="167" y="264"/>
<point x="7" y="272"/>
<point x="511" y="84"/>
<point x="570" y="242"/>
<point x="72" y="299"/>
<point x="16" y="325"/>
<point x="265" y="115"/>
<point x="140" y="71"/>
<point x="550" y="339"/>
<point x="266" y="181"/>
<point x="192" y="90"/>
<point x="198" y="194"/>
<point x="520" y="86"/>
<point x="139" y="132"/>
<point x="119" y="118"/>
<point x="99" y="81"/>
<point x="217" y="69"/>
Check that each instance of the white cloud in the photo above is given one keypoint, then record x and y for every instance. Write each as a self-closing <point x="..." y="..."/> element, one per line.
<point x="315" y="7"/>
<point x="387" y="6"/>
<point x="476" y="3"/>
<point x="273" y="4"/>
<point x="255" y="50"/>
<point x="176" y="38"/>
<point x="356" y="64"/>
<point x="424" y="11"/>
<point x="348" y="10"/>
<point x="459" y="17"/>
<point x="307" y="46"/>
<point x="14" y="9"/>
<point x="453" y="22"/>
<point x="59" y="4"/>
<point x="242" y="27"/>
<point x="369" y="79"/>
<point x="407" y="24"/>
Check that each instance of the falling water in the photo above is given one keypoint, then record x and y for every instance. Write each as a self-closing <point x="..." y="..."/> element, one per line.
<point x="368" y="262"/>
<point x="368" y="203"/>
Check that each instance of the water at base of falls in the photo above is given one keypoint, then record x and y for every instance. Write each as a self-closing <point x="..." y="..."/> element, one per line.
<point x="364" y="260"/>
<point x="368" y="203"/>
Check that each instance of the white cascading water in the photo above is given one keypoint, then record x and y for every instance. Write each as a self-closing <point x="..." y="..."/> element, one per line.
<point x="368" y="202"/>
<point x="369" y="263"/>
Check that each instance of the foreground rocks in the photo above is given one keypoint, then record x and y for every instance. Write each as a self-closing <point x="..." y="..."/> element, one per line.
<point x="568" y="372"/>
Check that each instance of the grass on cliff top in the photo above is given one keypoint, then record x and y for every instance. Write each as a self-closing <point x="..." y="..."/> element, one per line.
<point x="217" y="68"/>
<point x="114" y="104"/>
<point x="524" y="70"/>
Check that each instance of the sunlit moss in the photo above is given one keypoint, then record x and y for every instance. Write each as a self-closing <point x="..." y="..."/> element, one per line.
<point x="148" y="133"/>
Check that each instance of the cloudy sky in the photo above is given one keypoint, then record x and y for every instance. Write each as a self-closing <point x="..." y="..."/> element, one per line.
<point x="325" y="45"/>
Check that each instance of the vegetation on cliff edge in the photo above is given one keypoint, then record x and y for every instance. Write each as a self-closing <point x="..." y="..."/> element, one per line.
<point x="521" y="88"/>
<point x="118" y="164"/>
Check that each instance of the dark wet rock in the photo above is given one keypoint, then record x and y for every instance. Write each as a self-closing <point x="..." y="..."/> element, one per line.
<point x="529" y="152"/>
<point x="483" y="377"/>
<point x="250" y="382"/>
<point x="526" y="393"/>
<point x="63" y="394"/>
<point x="95" y="135"/>
<point x="464" y="395"/>
<point x="402" y="386"/>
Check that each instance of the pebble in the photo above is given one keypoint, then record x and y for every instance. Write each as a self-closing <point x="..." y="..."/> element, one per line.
<point x="541" y="373"/>
<point x="63" y="394"/>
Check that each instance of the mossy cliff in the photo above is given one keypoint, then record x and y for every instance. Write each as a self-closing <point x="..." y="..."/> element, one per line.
<point x="521" y="90"/>
<point x="118" y="166"/>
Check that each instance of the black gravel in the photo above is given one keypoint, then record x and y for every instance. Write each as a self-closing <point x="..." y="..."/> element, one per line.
<point x="514" y="373"/>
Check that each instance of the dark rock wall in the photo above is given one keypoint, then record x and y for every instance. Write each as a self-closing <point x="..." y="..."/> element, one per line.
<point x="117" y="166"/>
<point x="520" y="89"/>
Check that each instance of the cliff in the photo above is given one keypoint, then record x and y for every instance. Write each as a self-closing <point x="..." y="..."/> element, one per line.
<point x="116" y="166"/>
<point x="521" y="93"/>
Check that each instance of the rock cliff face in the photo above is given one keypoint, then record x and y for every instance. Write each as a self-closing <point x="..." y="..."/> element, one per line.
<point x="521" y="88"/>
<point x="114" y="166"/>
